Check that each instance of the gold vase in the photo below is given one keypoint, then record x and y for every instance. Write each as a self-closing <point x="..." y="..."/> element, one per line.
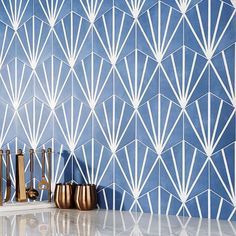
<point x="64" y="196"/>
<point x="85" y="197"/>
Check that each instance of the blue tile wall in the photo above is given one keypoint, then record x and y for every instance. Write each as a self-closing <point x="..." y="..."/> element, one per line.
<point x="135" y="96"/>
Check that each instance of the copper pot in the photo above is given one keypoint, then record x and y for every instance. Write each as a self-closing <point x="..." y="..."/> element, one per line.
<point x="85" y="197"/>
<point x="64" y="196"/>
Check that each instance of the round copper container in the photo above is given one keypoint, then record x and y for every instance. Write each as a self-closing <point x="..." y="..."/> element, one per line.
<point x="64" y="196"/>
<point x="85" y="197"/>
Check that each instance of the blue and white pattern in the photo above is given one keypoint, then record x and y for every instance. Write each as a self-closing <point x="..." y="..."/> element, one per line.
<point x="135" y="96"/>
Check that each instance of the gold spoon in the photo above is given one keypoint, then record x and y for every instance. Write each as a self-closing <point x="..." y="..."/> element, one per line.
<point x="43" y="184"/>
<point x="31" y="193"/>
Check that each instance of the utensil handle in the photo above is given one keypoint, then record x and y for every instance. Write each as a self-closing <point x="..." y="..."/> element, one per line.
<point x="1" y="153"/>
<point x="31" y="167"/>
<point x="8" y="164"/>
<point x="43" y="162"/>
<point x="49" y="155"/>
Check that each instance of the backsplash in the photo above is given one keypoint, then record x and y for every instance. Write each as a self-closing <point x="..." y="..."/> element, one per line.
<point x="136" y="96"/>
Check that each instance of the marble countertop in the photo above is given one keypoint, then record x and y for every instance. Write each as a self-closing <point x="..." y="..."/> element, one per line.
<point x="100" y="222"/>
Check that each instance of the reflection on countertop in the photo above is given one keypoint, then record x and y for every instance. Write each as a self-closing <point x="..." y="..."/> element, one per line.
<point x="100" y="222"/>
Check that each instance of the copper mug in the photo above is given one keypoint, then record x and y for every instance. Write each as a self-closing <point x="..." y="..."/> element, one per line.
<point x="85" y="197"/>
<point x="64" y="196"/>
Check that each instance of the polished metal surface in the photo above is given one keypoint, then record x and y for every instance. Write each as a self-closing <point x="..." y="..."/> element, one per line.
<point x="43" y="184"/>
<point x="49" y="156"/>
<point x="1" y="154"/>
<point x="8" y="177"/>
<point x="98" y="222"/>
<point x="20" y="177"/>
<point x="64" y="196"/>
<point x="85" y="197"/>
<point x="32" y="193"/>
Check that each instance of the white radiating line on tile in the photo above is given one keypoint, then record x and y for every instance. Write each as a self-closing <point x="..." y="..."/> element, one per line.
<point x="92" y="93"/>
<point x="209" y="44"/>
<point x="182" y="93"/>
<point x="6" y="124"/>
<point x="32" y="48"/>
<point x="136" y="93"/>
<point x="99" y="165"/>
<point x="159" y="44"/>
<point x="122" y="201"/>
<point x="52" y="10"/>
<point x="115" y="47"/>
<point x="16" y="13"/>
<point x="228" y="85"/>
<point x="64" y="167"/>
<point x="209" y="142"/>
<point x="198" y="207"/>
<point x="91" y="8"/>
<point x="32" y="130"/>
<point x="72" y="48"/>
<point x="135" y="6"/>
<point x="183" y="190"/>
<point x="5" y="44"/>
<point x="158" y="137"/>
<point x="183" y="5"/>
<point x="50" y="82"/>
<point x="72" y="134"/>
<point x="113" y="134"/>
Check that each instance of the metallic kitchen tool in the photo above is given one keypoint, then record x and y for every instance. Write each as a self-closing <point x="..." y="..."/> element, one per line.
<point x="43" y="184"/>
<point x="49" y="155"/>
<point x="20" y="177"/>
<point x="1" y="153"/>
<point x="32" y="193"/>
<point x="8" y="195"/>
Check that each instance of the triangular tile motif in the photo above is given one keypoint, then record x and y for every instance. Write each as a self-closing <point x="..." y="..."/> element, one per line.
<point x="135" y="96"/>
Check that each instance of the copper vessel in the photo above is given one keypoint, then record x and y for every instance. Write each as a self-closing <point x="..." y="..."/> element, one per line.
<point x="64" y="196"/>
<point x="85" y="197"/>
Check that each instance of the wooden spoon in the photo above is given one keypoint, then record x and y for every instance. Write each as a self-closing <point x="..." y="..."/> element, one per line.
<point x="43" y="184"/>
<point x="31" y="193"/>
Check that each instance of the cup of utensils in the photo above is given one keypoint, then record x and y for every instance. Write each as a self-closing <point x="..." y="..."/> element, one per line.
<point x="22" y="192"/>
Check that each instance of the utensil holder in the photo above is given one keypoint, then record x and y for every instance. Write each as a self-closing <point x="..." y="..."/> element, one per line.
<point x="64" y="196"/>
<point x="85" y="197"/>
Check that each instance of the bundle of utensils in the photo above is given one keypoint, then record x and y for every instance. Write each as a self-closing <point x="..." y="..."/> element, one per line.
<point x="22" y="192"/>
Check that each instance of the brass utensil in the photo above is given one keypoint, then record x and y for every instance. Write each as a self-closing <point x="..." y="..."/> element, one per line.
<point x="49" y="155"/>
<point x="1" y="153"/>
<point x="8" y="195"/>
<point x="43" y="184"/>
<point x="20" y="177"/>
<point x="32" y="193"/>
<point x="85" y="197"/>
<point x="64" y="196"/>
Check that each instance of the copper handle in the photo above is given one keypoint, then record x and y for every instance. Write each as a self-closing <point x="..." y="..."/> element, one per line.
<point x="31" y="167"/>
<point x="1" y="153"/>
<point x="43" y="162"/>
<point x="8" y="175"/>
<point x="49" y="152"/>
<point x="8" y="164"/>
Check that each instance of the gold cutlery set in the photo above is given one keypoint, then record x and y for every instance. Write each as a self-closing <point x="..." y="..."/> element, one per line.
<point x="22" y="193"/>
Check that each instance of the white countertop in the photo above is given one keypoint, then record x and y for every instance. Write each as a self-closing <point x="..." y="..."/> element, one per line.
<point x="53" y="221"/>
